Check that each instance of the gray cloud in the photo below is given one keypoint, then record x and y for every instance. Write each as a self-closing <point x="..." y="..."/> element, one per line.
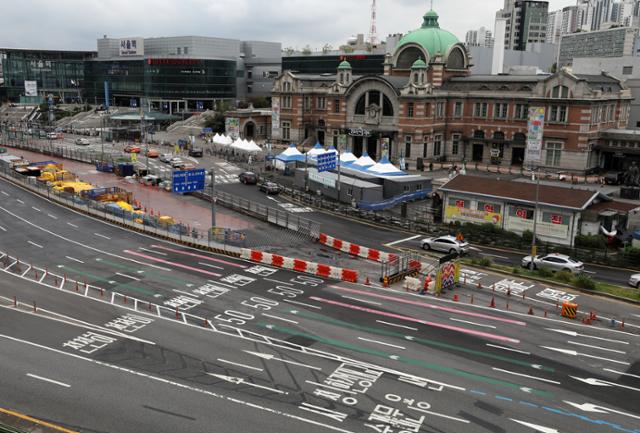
<point x="76" y="24"/>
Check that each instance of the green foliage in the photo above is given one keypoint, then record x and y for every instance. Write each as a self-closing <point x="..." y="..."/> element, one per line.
<point x="564" y="276"/>
<point x="215" y="122"/>
<point x="632" y="254"/>
<point x="582" y="281"/>
<point x="593" y="241"/>
<point x="515" y="270"/>
<point x="527" y="236"/>
<point x="545" y="273"/>
<point x="260" y="102"/>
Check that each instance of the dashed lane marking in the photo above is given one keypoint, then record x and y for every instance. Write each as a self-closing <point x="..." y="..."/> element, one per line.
<point x="74" y="259"/>
<point x="34" y="244"/>
<point x="401" y="241"/>
<point x="382" y="342"/>
<point x="472" y="323"/>
<point x="240" y="365"/>
<point x="396" y="325"/>
<point x="525" y="375"/>
<point x="44" y="379"/>
<point x="508" y="349"/>
<point x="103" y="236"/>
<point x="35" y="209"/>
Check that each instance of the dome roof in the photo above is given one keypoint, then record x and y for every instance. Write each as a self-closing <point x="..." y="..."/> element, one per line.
<point x="430" y="36"/>
<point x="419" y="64"/>
<point x="344" y="65"/>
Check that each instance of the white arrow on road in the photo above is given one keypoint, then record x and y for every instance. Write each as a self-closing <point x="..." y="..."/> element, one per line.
<point x="286" y="361"/>
<point x="271" y="198"/>
<point x="241" y="381"/>
<point x="598" y="382"/>
<point x="576" y="334"/>
<point x="537" y="428"/>
<point x="590" y="407"/>
<point x="574" y="353"/>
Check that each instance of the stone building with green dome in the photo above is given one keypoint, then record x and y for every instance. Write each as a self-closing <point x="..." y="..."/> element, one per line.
<point x="426" y="106"/>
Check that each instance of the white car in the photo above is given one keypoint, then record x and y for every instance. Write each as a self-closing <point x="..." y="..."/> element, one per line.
<point x="166" y="157"/>
<point x="447" y="244"/>
<point x="634" y="281"/>
<point x="553" y="262"/>
<point x="52" y="135"/>
<point x="176" y="162"/>
<point x="82" y="142"/>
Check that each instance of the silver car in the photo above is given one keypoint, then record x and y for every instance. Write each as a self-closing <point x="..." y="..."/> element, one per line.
<point x="553" y="262"/>
<point x="634" y="281"/>
<point x="446" y="244"/>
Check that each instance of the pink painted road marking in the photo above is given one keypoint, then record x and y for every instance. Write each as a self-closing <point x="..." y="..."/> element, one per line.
<point x="424" y="322"/>
<point x="167" y="262"/>
<point x="433" y="307"/>
<point x="200" y="256"/>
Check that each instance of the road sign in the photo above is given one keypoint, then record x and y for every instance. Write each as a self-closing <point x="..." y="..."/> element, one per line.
<point x="188" y="180"/>
<point x="199" y="105"/>
<point x="327" y="161"/>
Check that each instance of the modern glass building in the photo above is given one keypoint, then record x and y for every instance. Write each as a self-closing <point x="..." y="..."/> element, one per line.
<point x="57" y="73"/>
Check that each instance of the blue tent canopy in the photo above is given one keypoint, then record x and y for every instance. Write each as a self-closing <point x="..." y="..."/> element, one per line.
<point x="291" y="154"/>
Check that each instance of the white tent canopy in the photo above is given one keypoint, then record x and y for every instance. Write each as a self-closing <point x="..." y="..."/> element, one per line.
<point x="385" y="168"/>
<point x="347" y="158"/>
<point x="315" y="151"/>
<point x="364" y="162"/>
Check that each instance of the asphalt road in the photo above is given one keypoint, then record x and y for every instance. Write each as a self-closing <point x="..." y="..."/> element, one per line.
<point x="133" y="334"/>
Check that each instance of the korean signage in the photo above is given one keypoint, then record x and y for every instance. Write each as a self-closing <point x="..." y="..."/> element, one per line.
<point x="30" y="88"/>
<point x="40" y="65"/>
<point x="331" y="183"/>
<point x="275" y="118"/>
<point x="550" y="224"/>
<point x="232" y="127"/>
<point x="460" y="213"/>
<point x="535" y="130"/>
<point x="327" y="161"/>
<point x="342" y="143"/>
<point x="131" y="47"/>
<point x="359" y="132"/>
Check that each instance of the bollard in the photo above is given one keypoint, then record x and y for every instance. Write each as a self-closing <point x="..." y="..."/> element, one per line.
<point x="206" y="323"/>
<point x="472" y="298"/>
<point x="530" y="311"/>
<point x="77" y="288"/>
<point x="613" y="323"/>
<point x="366" y="281"/>
<point x="508" y="291"/>
<point x="479" y="285"/>
<point x="622" y="324"/>
<point x="35" y="309"/>
<point x="101" y="292"/>
<point x="15" y="301"/>
<point x="507" y="305"/>
<point x="125" y="299"/>
<point x="149" y="306"/>
<point x="493" y="302"/>
<point x="455" y="298"/>
<point x="36" y="272"/>
<point x="545" y="314"/>
<point x="46" y="272"/>
<point x="523" y="296"/>
<point x="177" y="314"/>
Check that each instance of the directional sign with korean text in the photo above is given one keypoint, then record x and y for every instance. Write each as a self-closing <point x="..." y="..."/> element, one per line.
<point x="327" y="161"/>
<point x="188" y="180"/>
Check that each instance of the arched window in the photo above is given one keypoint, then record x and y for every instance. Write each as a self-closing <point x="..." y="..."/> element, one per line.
<point x="408" y="56"/>
<point x="456" y="59"/>
<point x="387" y="107"/>
<point x="478" y="134"/>
<point x="561" y="92"/>
<point x="341" y="77"/>
<point x="498" y="136"/>
<point x="374" y="98"/>
<point x="360" y="106"/>
<point x="519" y="137"/>
<point x="416" y="78"/>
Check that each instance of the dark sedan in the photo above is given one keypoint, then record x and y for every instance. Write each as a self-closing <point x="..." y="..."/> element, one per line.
<point x="269" y="187"/>
<point x="248" y="178"/>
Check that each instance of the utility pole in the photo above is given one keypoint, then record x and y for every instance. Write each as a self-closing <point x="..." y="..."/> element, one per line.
<point x="213" y="198"/>
<point x="534" y="248"/>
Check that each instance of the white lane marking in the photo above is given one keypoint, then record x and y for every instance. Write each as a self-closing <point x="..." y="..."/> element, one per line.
<point x="128" y="276"/>
<point x="241" y="381"/>
<point x="396" y="325"/>
<point x="74" y="259"/>
<point x="361" y="300"/>
<point x="589" y="272"/>
<point x="286" y="361"/>
<point x="574" y="353"/>
<point x="441" y="415"/>
<point x="5" y="193"/>
<point x="303" y="304"/>
<point x="52" y="216"/>
<point x="3" y="229"/>
<point x="103" y="236"/>
<point x="637" y="315"/>
<point x="210" y="265"/>
<point x="35" y="209"/>
<point x="525" y="375"/>
<point x="277" y="281"/>
<point x="34" y="244"/>
<point x="596" y="347"/>
<point x="576" y="334"/>
<point x="494" y="255"/>
<point x="402" y="240"/>
<point x="152" y="251"/>
<point x="472" y="323"/>
<point x="180" y="385"/>
<point x="73" y="225"/>
<point x="537" y="428"/>
<point x="280" y="318"/>
<point x="590" y="407"/>
<point x="19" y="201"/>
<point x="508" y="348"/>
<point x="66" y="385"/>
<point x="324" y="385"/>
<point x="619" y="372"/>
<point x="183" y="293"/>
<point x="83" y="245"/>
<point x="598" y="382"/>
<point x="240" y="365"/>
<point x="381" y="342"/>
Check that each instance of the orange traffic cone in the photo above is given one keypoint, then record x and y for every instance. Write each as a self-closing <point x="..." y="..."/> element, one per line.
<point x="366" y="281"/>
<point x="455" y="298"/>
<point x="493" y="302"/>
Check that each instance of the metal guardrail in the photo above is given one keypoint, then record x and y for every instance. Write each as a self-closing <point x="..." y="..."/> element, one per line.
<point x="8" y="429"/>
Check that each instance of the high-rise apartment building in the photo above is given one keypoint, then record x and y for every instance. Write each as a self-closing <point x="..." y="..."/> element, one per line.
<point x="479" y="38"/>
<point x="526" y="23"/>
<point x="554" y="27"/>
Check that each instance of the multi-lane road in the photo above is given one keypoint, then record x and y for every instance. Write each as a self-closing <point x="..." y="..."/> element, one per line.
<point x="107" y="330"/>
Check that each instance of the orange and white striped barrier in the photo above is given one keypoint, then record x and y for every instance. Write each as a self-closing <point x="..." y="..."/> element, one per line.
<point x="356" y="250"/>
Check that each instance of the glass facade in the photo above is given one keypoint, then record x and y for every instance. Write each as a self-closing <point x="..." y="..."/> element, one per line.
<point x="361" y="64"/>
<point x="60" y="73"/>
<point x="171" y="78"/>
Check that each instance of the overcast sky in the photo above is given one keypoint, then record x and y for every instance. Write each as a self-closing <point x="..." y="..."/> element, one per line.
<point x="76" y="24"/>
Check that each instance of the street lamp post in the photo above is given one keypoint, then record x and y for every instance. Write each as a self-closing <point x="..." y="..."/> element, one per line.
<point x="534" y="248"/>
<point x="213" y="197"/>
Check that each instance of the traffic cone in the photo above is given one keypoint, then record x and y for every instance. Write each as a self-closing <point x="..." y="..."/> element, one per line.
<point x="530" y="311"/>
<point x="366" y="281"/>
<point x="472" y="298"/>
<point x="455" y="298"/>
<point x="205" y="323"/>
<point x="545" y="313"/>
<point x="493" y="302"/>
<point x="508" y="291"/>
<point x="622" y="324"/>
<point x="479" y="285"/>
<point x="507" y="305"/>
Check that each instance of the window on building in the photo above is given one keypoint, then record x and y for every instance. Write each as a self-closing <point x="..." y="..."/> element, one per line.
<point x="440" y="109"/>
<point x="425" y="146"/>
<point x="409" y="109"/>
<point x="336" y="105"/>
<point x="522" y="112"/>
<point x="457" y="109"/>
<point x="249" y="88"/>
<point x="179" y="50"/>
<point x="427" y="110"/>
<point x="335" y="138"/>
<point x="627" y="70"/>
<point x="455" y="143"/>
<point x="554" y="153"/>
<point x="350" y="191"/>
<point x="360" y="105"/>
<point x="286" y="101"/>
<point x="561" y="92"/>
<point x="407" y="146"/>
<point x="437" y="145"/>
<point x="186" y="50"/>
<point x="307" y="103"/>
<point x="321" y="103"/>
<point x="480" y="109"/>
<point x="249" y="75"/>
<point x="286" y="130"/>
<point x="286" y="86"/>
<point x="387" y="107"/>
<point x="500" y="111"/>
<point x="557" y="114"/>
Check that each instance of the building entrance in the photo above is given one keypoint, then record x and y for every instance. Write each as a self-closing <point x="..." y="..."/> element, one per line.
<point x="517" y="155"/>
<point x="478" y="150"/>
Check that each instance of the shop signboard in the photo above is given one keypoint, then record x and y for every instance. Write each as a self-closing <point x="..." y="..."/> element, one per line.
<point x="460" y="213"/>
<point x="535" y="131"/>
<point x="131" y="47"/>
<point x="275" y="118"/>
<point x="232" y="127"/>
<point x="30" y="88"/>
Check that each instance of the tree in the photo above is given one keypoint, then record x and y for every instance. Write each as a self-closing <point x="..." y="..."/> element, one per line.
<point x="554" y="68"/>
<point x="346" y="48"/>
<point x="306" y="50"/>
<point x="215" y="122"/>
<point x="260" y="102"/>
<point x="326" y="48"/>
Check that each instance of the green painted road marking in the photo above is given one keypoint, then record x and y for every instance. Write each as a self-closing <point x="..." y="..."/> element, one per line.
<point x="424" y="341"/>
<point x="147" y="276"/>
<point x="106" y="280"/>
<point x="409" y="361"/>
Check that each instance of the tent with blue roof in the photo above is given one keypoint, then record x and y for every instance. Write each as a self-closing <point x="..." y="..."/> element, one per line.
<point x="363" y="162"/>
<point x="290" y="154"/>
<point x="385" y="168"/>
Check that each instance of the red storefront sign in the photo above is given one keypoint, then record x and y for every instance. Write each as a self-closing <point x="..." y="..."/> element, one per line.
<point x="521" y="213"/>
<point x="488" y="208"/>
<point x="556" y="219"/>
<point x="459" y="203"/>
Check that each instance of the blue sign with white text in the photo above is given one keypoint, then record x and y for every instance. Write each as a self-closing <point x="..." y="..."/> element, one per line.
<point x="188" y="180"/>
<point x="327" y="161"/>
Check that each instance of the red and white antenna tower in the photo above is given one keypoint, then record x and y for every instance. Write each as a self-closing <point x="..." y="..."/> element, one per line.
<point x="373" y="31"/>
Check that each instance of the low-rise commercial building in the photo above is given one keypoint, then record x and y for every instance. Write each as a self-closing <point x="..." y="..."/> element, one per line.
<point x="616" y="42"/>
